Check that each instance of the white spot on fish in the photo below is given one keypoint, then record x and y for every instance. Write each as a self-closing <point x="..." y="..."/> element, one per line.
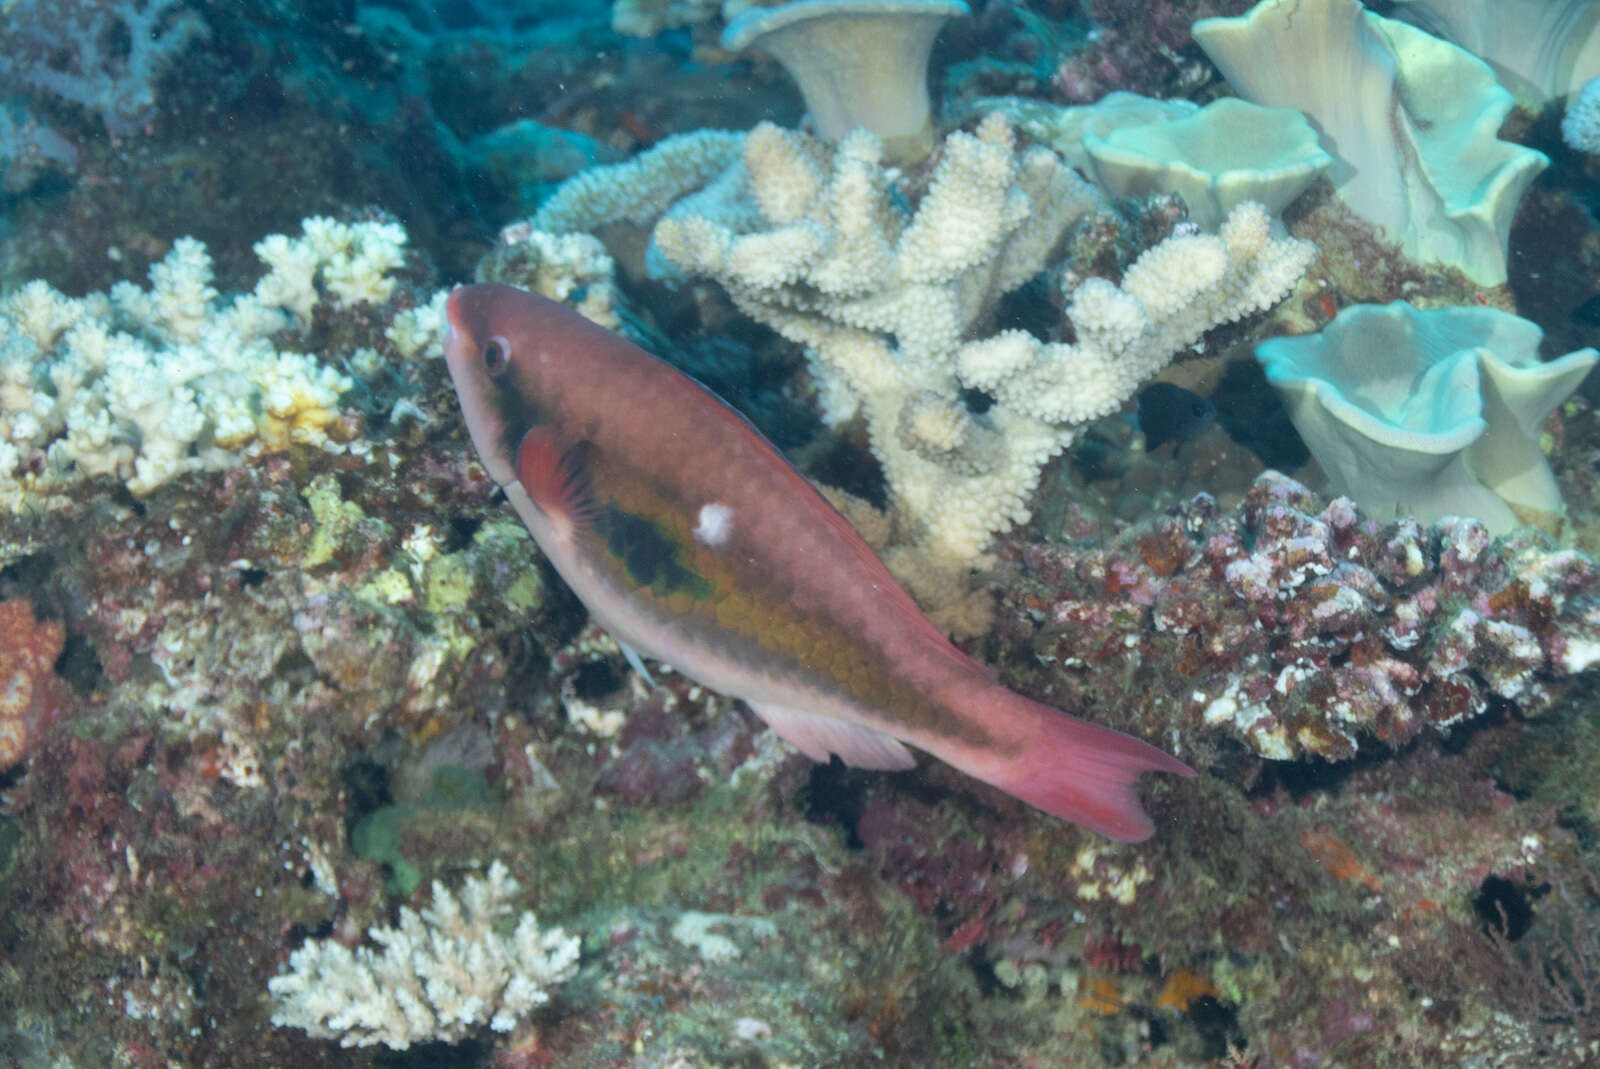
<point x="714" y="524"/>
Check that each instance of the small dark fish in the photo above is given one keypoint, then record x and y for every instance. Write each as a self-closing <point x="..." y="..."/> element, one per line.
<point x="1169" y="413"/>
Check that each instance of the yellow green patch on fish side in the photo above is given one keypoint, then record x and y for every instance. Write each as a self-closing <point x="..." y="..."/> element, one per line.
<point x="686" y="574"/>
<point x="650" y="557"/>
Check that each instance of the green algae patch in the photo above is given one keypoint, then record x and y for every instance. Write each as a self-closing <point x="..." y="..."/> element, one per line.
<point x="402" y="837"/>
<point x="387" y="587"/>
<point x="448" y="583"/>
<point x="337" y="520"/>
<point x="504" y="556"/>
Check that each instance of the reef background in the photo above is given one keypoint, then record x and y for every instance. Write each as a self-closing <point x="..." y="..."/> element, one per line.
<point x="242" y="736"/>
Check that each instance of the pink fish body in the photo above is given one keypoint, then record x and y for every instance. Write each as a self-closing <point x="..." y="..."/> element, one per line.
<point x="692" y="540"/>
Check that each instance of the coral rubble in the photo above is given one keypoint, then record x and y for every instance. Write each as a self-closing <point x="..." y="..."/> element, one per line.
<point x="1301" y="628"/>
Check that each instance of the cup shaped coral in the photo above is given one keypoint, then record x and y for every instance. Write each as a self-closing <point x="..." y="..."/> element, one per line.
<point x="1429" y="413"/>
<point x="1228" y="152"/>
<point x="858" y="63"/>
<point x="1409" y="119"/>
<point x="1067" y="128"/>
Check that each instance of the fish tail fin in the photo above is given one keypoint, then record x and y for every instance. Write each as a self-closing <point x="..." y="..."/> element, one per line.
<point x="1073" y="769"/>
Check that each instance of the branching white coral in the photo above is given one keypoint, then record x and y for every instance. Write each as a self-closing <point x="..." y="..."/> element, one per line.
<point x="811" y="242"/>
<point x="639" y="190"/>
<point x="106" y="57"/>
<point x="1169" y="297"/>
<point x="148" y="384"/>
<point x="438" y="975"/>
<point x="564" y="267"/>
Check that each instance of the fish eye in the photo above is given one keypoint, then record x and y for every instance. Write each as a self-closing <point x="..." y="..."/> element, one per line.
<point x="496" y="355"/>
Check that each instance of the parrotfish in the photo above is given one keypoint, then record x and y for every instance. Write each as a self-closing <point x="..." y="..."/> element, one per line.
<point x="692" y="541"/>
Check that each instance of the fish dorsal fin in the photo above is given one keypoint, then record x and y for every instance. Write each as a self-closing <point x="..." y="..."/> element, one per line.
<point x="818" y="736"/>
<point x="553" y="475"/>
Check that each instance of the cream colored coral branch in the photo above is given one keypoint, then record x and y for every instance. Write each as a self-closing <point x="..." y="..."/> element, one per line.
<point x="149" y="384"/>
<point x="438" y="975"/>
<point x="814" y="243"/>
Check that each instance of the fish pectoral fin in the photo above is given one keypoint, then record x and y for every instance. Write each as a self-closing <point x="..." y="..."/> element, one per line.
<point x="817" y="736"/>
<point x="636" y="663"/>
<point x="553" y="474"/>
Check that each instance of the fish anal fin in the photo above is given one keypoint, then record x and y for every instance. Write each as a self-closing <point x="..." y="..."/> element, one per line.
<point x="553" y="475"/>
<point x="817" y="736"/>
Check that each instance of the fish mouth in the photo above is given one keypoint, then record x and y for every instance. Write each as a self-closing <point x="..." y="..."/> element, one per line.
<point x="485" y="421"/>
<point x="453" y="331"/>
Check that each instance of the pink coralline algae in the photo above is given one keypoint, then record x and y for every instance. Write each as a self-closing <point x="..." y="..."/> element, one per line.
<point x="31" y="695"/>
<point x="1302" y="627"/>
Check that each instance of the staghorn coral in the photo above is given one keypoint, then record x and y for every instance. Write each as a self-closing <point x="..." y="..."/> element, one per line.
<point x="30" y="148"/>
<point x="146" y="385"/>
<point x="813" y="243"/>
<point x="275" y="637"/>
<point x="639" y="190"/>
<point x="564" y="267"/>
<point x="1580" y="124"/>
<point x="103" y="57"/>
<point x="152" y="860"/>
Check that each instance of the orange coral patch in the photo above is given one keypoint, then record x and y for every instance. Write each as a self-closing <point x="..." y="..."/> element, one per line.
<point x="1182" y="988"/>
<point x="1097" y="994"/>
<point x="1332" y="854"/>
<point x="31" y="696"/>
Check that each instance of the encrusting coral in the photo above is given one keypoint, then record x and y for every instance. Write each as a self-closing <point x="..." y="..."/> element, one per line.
<point x="31" y="695"/>
<point x="1302" y="627"/>
<point x="441" y="973"/>
<point x="812" y="243"/>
